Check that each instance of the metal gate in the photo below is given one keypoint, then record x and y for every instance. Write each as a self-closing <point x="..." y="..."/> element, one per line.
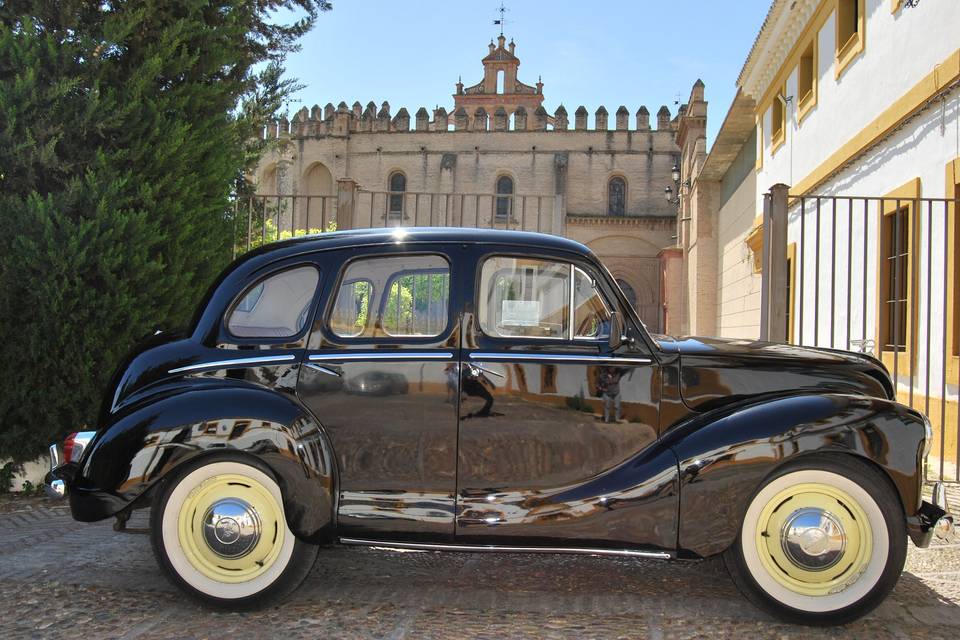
<point x="877" y="275"/>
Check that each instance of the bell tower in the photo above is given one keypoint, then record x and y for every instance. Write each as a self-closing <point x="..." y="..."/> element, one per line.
<point x="500" y="87"/>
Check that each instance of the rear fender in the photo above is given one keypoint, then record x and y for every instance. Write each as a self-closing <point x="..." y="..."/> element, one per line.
<point x="725" y="455"/>
<point x="146" y="444"/>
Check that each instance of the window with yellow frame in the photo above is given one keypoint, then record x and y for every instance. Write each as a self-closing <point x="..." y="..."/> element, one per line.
<point x="953" y="270"/>
<point x="850" y="22"/>
<point x="896" y="301"/>
<point x="778" y="121"/>
<point x="807" y="78"/>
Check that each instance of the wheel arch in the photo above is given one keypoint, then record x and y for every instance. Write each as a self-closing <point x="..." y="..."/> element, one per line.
<point x="726" y="456"/>
<point x="147" y="444"/>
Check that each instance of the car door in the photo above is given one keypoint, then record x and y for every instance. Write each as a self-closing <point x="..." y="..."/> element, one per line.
<point x="556" y="425"/>
<point x="380" y="376"/>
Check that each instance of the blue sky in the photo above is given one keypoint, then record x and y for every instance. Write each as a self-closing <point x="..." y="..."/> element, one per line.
<point x="589" y="53"/>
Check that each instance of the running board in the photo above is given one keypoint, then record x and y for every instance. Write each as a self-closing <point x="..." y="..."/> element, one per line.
<point x="431" y="546"/>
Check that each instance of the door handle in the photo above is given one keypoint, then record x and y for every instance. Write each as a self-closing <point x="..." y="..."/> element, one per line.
<point x="485" y="370"/>
<point x="327" y="370"/>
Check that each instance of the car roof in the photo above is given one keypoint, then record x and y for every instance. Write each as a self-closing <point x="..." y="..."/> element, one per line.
<point x="395" y="235"/>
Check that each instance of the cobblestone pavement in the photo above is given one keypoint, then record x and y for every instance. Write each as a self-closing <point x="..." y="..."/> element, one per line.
<point x="61" y="579"/>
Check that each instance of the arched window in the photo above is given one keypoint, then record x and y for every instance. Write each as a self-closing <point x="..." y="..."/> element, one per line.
<point x="628" y="291"/>
<point x="504" y="198"/>
<point x="397" y="185"/>
<point x="616" y="196"/>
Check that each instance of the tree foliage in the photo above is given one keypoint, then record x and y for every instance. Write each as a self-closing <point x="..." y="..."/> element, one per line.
<point x="125" y="126"/>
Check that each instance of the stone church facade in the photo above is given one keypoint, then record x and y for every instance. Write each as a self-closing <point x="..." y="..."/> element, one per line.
<point x="497" y="159"/>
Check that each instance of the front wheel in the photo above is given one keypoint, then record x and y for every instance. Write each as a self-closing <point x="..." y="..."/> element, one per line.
<point x="823" y="542"/>
<point x="218" y="530"/>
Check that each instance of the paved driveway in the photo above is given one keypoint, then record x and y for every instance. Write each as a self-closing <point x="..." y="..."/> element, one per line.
<point x="61" y="579"/>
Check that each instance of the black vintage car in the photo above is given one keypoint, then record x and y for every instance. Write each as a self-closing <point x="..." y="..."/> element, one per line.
<point x="494" y="391"/>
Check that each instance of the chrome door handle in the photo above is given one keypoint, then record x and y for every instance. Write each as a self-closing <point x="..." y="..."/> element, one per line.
<point x="485" y="370"/>
<point x="326" y="370"/>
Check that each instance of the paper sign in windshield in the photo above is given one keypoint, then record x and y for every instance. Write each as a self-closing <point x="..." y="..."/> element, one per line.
<point x="520" y="313"/>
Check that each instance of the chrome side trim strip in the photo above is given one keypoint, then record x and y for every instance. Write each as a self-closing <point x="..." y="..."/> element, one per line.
<point x="557" y="357"/>
<point x="425" y="546"/>
<point x="236" y="362"/>
<point x="377" y="355"/>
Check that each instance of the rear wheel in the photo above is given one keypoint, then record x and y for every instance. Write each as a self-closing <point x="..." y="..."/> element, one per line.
<point x="218" y="530"/>
<point x="822" y="542"/>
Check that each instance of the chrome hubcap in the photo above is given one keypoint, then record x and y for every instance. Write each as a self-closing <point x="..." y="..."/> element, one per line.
<point x="231" y="528"/>
<point x="813" y="538"/>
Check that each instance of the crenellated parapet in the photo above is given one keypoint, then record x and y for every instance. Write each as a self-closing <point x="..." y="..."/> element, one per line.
<point x="344" y="120"/>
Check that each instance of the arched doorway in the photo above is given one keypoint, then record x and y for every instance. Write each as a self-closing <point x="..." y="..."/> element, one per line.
<point x="316" y="208"/>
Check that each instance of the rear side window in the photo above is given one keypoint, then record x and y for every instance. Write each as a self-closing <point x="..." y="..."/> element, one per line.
<point x="275" y="307"/>
<point x="400" y="296"/>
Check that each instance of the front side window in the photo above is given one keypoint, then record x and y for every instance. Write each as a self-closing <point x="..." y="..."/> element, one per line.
<point x="523" y="297"/>
<point x="591" y="316"/>
<point x="276" y="307"/>
<point x="401" y="296"/>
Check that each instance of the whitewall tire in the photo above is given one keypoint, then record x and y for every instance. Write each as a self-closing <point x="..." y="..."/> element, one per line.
<point x="219" y="531"/>
<point x="823" y="541"/>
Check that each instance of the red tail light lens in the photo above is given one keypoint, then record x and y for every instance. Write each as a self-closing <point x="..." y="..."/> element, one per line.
<point x="68" y="445"/>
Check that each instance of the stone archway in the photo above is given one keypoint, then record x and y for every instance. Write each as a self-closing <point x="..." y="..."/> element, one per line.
<point x="315" y="204"/>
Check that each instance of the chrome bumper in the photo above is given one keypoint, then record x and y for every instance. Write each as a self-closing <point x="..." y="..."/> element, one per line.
<point x="54" y="486"/>
<point x="944" y="528"/>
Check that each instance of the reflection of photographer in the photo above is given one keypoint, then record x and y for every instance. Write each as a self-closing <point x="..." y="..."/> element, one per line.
<point x="475" y="383"/>
<point x="608" y="384"/>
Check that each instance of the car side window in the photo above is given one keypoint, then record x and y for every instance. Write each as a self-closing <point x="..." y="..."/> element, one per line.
<point x="275" y="307"/>
<point x="535" y="298"/>
<point x="591" y="314"/>
<point x="524" y="297"/>
<point x="397" y="296"/>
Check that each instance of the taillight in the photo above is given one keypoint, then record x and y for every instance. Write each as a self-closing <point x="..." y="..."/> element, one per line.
<point x="75" y="444"/>
<point x="68" y="446"/>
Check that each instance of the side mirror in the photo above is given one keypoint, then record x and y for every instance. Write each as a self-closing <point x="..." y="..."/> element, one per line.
<point x="616" y="331"/>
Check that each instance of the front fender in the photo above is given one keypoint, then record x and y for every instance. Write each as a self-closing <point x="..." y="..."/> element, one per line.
<point x="725" y="455"/>
<point x="148" y="442"/>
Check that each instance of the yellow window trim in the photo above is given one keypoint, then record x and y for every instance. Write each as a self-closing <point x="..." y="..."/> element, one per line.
<point x="754" y="240"/>
<point x="778" y="140"/>
<point x="953" y="339"/>
<point x="855" y="44"/>
<point x="758" y="165"/>
<point x="809" y="100"/>
<point x="908" y="193"/>
<point x="916" y="97"/>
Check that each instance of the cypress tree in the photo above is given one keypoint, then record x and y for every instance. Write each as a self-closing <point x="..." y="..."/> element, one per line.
<point x="124" y="129"/>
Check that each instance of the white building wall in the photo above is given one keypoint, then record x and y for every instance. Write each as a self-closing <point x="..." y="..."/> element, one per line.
<point x="920" y="149"/>
<point x="900" y="49"/>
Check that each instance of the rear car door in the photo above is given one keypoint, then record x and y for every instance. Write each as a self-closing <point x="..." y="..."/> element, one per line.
<point x="380" y="376"/>
<point x="554" y="422"/>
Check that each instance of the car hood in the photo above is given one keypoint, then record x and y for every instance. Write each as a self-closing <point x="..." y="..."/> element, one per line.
<point x="717" y="371"/>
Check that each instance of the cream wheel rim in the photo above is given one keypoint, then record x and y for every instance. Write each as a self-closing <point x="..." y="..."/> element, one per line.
<point x="224" y="530"/>
<point x="815" y="540"/>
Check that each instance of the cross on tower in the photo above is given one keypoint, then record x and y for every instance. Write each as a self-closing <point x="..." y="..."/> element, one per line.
<point x="502" y="19"/>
